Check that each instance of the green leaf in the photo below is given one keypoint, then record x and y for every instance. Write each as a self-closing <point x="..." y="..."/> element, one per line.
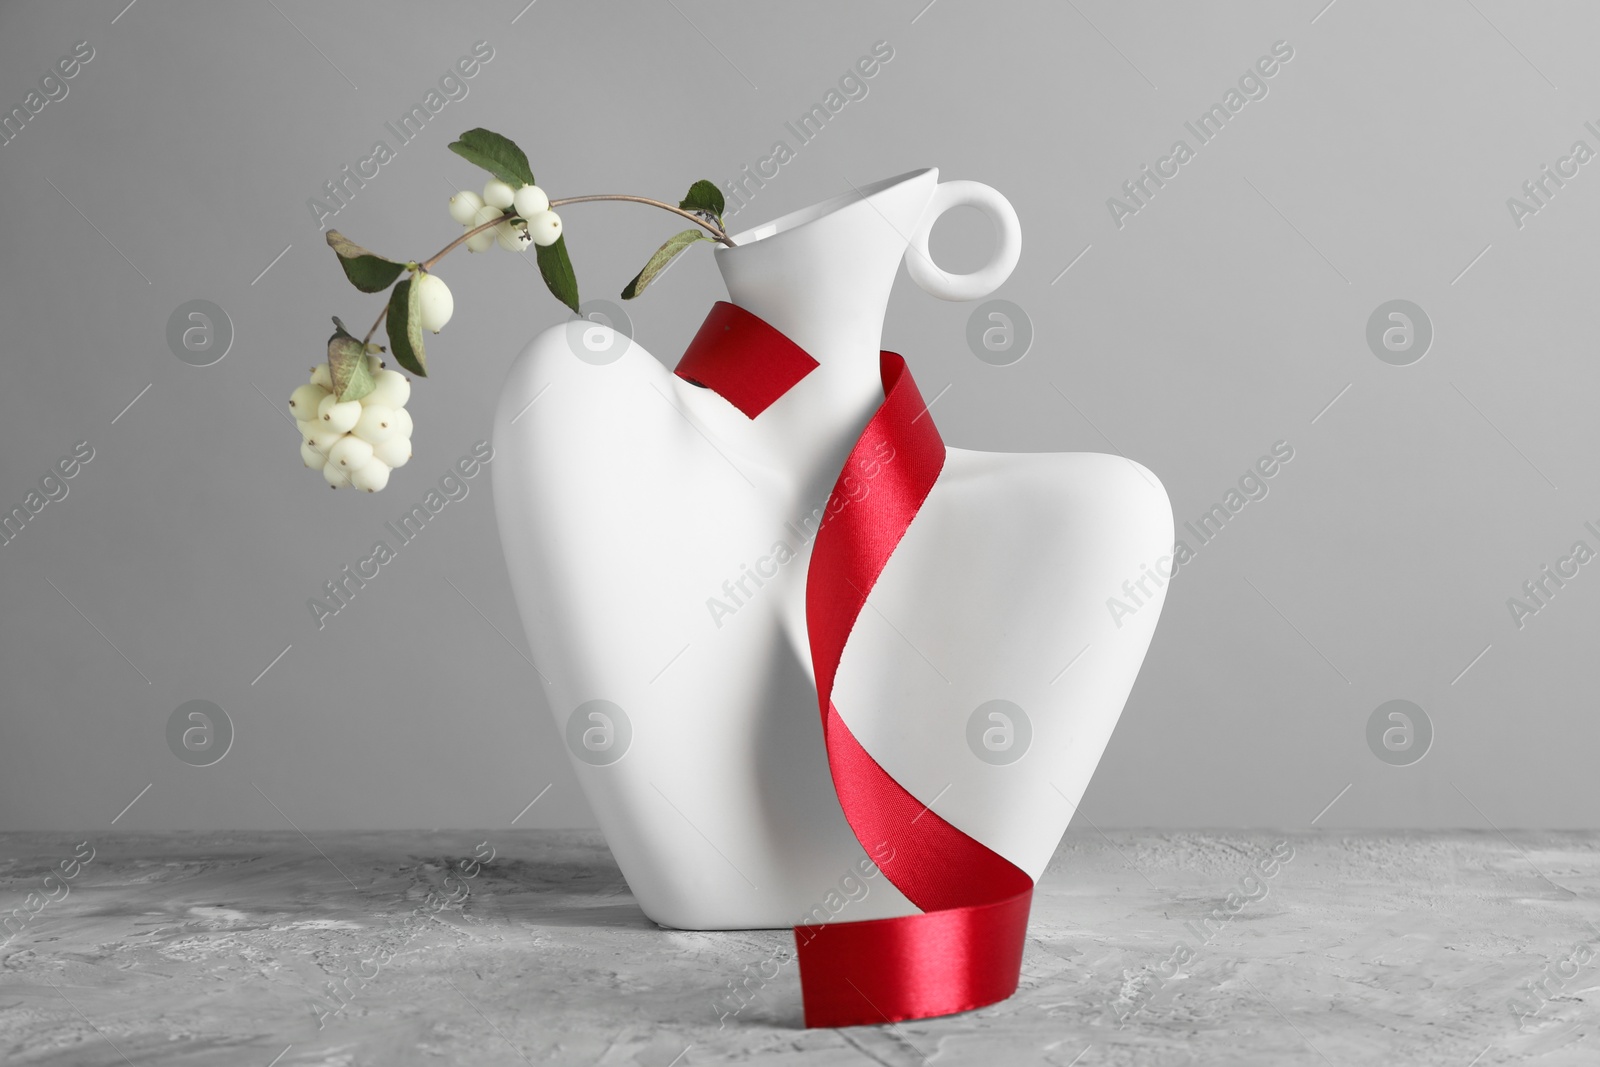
<point x="404" y="322"/>
<point x="347" y="365"/>
<point x="556" y="266"/>
<point x="367" y="271"/>
<point x="496" y="154"/>
<point x="658" y="262"/>
<point x="704" y="196"/>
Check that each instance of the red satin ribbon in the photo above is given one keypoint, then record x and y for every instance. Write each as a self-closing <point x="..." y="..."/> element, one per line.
<point x="965" y="950"/>
<point x="748" y="363"/>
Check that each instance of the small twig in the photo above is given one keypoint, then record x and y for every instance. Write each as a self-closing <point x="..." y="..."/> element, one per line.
<point x="719" y="234"/>
<point x="381" y="316"/>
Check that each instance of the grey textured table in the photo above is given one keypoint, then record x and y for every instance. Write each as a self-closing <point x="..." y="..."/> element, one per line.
<point x="1459" y="949"/>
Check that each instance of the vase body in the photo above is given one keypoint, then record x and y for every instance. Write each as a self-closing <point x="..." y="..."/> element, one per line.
<point x="657" y="541"/>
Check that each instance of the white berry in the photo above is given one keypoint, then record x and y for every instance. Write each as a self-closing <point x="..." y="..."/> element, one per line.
<point x="336" y="416"/>
<point x="390" y="389"/>
<point x="373" y="475"/>
<point x="374" y="364"/>
<point x="323" y="438"/>
<point x="530" y="200"/>
<point x="513" y="236"/>
<point x="464" y="205"/>
<point x="311" y="456"/>
<point x="308" y="427"/>
<point x="320" y="376"/>
<point x="304" y="400"/>
<point x="335" y="475"/>
<point x="402" y="419"/>
<point x="544" y="227"/>
<point x="377" y="424"/>
<point x="482" y="242"/>
<point x="393" y="452"/>
<point x="434" y="298"/>
<point x="351" y="453"/>
<point x="497" y="193"/>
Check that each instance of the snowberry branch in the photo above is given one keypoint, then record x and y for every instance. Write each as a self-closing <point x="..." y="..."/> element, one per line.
<point x="716" y="232"/>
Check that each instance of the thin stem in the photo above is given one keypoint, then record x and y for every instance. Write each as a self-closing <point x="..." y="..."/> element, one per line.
<point x="378" y="322"/>
<point x="719" y="234"/>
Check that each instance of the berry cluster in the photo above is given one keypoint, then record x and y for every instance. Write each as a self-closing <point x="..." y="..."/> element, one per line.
<point x="357" y="442"/>
<point x="526" y="211"/>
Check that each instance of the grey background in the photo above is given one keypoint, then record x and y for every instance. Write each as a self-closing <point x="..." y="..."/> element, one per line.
<point x="1223" y="317"/>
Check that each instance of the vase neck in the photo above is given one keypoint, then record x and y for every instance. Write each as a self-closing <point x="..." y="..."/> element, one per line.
<point x="822" y="276"/>
<point x="838" y="324"/>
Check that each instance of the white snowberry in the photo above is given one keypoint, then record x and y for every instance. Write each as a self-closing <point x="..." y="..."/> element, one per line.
<point x="393" y="452"/>
<point x="544" y="227"/>
<point x="497" y="193"/>
<point x="390" y="389"/>
<point x="320" y="376"/>
<point x="323" y="439"/>
<point x="377" y="424"/>
<point x="402" y="418"/>
<point x="308" y="427"/>
<point x="513" y="236"/>
<point x="304" y="400"/>
<point x="335" y="475"/>
<point x="351" y="453"/>
<point x="530" y="200"/>
<point x="482" y="242"/>
<point x="464" y="205"/>
<point x="311" y="456"/>
<point x="437" y="305"/>
<point x="336" y="416"/>
<point x="373" y="475"/>
<point x="374" y="364"/>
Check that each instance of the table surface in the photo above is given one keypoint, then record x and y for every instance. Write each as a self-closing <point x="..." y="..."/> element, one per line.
<point x="225" y="948"/>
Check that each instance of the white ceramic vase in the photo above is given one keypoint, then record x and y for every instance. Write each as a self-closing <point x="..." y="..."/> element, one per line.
<point x="986" y="674"/>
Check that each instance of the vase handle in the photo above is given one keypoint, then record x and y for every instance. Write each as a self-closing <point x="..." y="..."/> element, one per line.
<point x="985" y="280"/>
